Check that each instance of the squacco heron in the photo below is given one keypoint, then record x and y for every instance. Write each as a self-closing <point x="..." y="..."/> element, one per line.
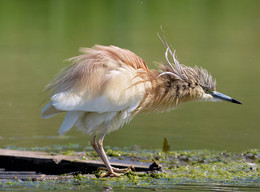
<point x="106" y="86"/>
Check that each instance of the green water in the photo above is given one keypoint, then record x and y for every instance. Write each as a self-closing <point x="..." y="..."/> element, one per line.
<point x="221" y="36"/>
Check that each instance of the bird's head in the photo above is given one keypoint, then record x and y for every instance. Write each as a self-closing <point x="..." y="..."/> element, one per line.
<point x="210" y="95"/>
<point x="200" y="83"/>
<point x="206" y="84"/>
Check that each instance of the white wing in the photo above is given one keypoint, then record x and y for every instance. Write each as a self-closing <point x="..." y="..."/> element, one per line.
<point x="67" y="101"/>
<point x="122" y="91"/>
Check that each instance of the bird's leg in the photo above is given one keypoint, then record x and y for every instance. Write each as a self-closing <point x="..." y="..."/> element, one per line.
<point x="94" y="145"/>
<point x="99" y="149"/>
<point x="111" y="170"/>
<point x="103" y="155"/>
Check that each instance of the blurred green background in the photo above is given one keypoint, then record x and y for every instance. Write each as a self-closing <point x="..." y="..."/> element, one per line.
<point x="221" y="36"/>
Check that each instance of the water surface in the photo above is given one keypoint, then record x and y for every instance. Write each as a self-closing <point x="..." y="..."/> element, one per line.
<point x="221" y="36"/>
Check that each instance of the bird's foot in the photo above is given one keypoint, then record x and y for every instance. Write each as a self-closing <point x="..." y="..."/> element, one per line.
<point x="110" y="174"/>
<point x="116" y="172"/>
<point x="126" y="170"/>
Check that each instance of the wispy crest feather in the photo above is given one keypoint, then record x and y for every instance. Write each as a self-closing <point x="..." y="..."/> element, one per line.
<point x="184" y="73"/>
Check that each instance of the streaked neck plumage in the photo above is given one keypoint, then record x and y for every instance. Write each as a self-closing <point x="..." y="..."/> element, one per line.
<point x="167" y="92"/>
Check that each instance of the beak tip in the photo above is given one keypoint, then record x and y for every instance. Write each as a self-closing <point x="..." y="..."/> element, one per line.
<point x="224" y="97"/>
<point x="235" y="101"/>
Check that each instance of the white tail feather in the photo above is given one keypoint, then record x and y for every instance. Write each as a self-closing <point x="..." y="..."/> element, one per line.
<point x="49" y="111"/>
<point x="70" y="119"/>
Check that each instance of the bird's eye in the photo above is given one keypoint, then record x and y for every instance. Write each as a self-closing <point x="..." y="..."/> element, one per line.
<point x="207" y="90"/>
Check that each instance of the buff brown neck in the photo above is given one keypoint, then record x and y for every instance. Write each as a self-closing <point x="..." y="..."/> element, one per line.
<point x="167" y="92"/>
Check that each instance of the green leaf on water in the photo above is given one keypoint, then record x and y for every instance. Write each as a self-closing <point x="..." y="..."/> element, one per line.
<point x="166" y="145"/>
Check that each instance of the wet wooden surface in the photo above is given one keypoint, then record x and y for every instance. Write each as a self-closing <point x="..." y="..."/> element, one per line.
<point x="25" y="164"/>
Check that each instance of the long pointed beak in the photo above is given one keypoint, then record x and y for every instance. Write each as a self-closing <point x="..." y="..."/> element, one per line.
<point x="221" y="96"/>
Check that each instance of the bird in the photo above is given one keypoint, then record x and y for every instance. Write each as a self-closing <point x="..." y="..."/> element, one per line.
<point x="106" y="86"/>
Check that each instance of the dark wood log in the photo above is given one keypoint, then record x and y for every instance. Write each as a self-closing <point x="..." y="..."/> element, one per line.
<point x="43" y="163"/>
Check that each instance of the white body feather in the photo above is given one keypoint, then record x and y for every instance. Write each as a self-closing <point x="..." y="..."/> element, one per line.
<point x="108" y="111"/>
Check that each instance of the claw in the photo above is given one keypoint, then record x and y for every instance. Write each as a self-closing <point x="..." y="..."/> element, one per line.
<point x="126" y="170"/>
<point x="132" y="167"/>
<point x="112" y="174"/>
<point x="116" y="171"/>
